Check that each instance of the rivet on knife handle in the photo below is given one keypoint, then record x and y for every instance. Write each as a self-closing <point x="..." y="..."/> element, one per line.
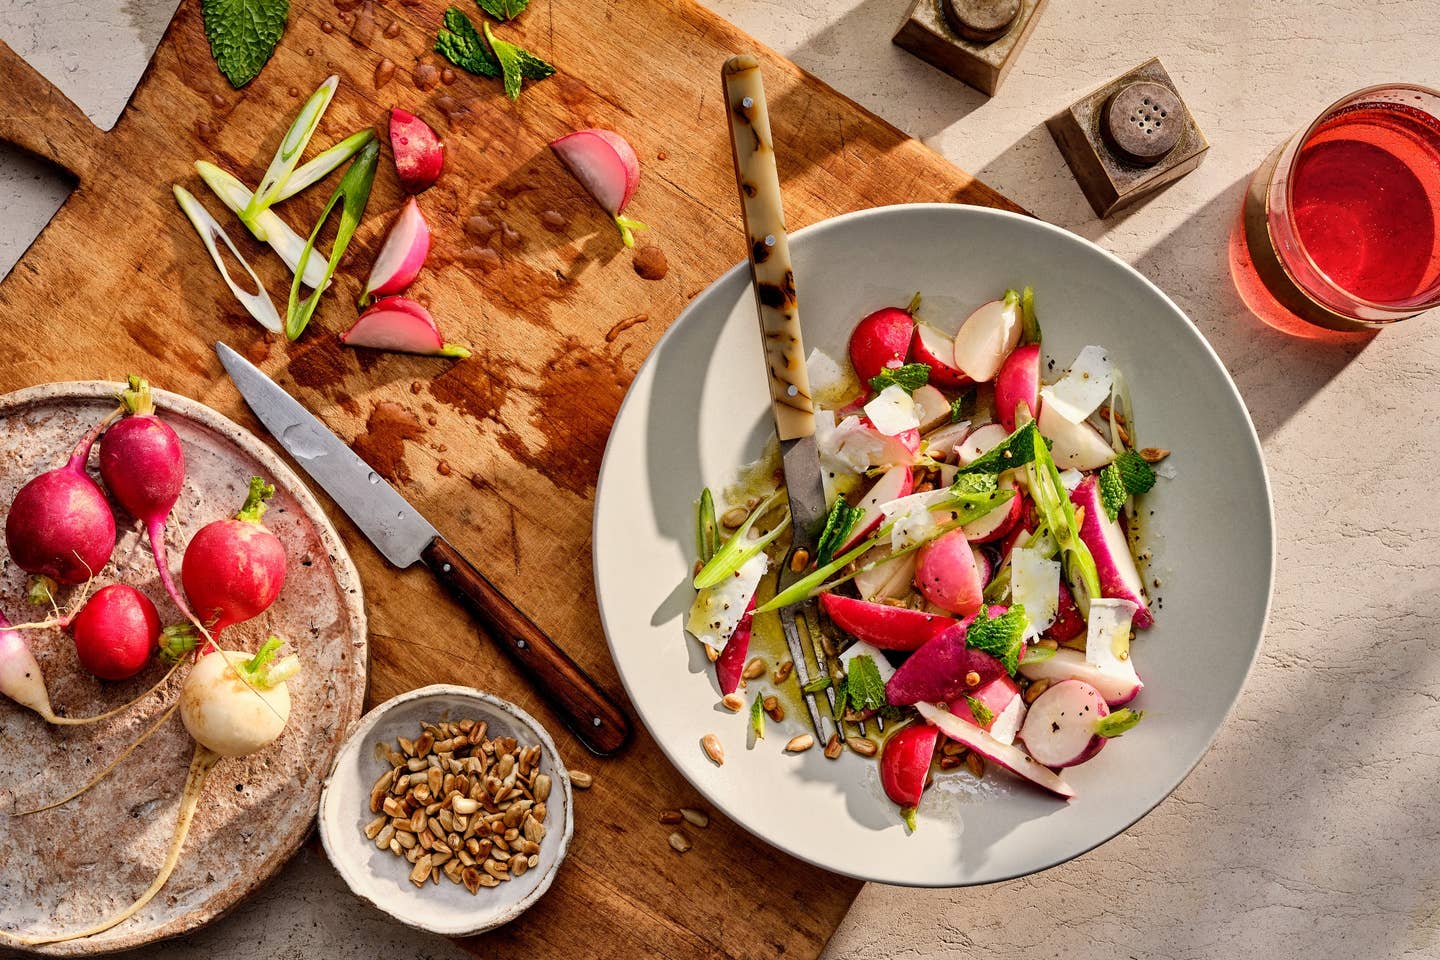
<point x="591" y="716"/>
<point x="770" y="265"/>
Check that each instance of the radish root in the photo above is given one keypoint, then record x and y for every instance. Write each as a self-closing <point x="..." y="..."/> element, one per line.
<point x="80" y="721"/>
<point x="200" y="765"/>
<point x="112" y="764"/>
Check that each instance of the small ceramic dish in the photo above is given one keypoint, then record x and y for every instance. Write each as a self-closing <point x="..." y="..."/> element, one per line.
<point x="381" y="878"/>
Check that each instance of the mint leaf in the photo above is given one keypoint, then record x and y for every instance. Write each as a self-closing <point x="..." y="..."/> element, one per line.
<point x="757" y="717"/>
<point x="243" y="34"/>
<point x="837" y="527"/>
<point x="1129" y="475"/>
<point x="461" y="44"/>
<point x="975" y="483"/>
<point x="1119" y="721"/>
<point x="1001" y="637"/>
<point x="817" y="685"/>
<point x="1014" y="451"/>
<point x="1137" y="475"/>
<point x="983" y="715"/>
<point x="503" y="9"/>
<point x="909" y="377"/>
<point x="517" y="64"/>
<point x="863" y="687"/>
<point x="957" y="407"/>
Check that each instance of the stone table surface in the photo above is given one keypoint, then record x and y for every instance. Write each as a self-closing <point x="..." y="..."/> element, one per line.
<point x="1309" y="829"/>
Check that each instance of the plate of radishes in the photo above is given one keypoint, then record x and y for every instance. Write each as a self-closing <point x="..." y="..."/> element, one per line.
<point x="1042" y="487"/>
<point x="182" y="651"/>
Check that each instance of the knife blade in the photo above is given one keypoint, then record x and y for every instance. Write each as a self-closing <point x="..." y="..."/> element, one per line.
<point x="403" y="536"/>
<point x="776" y="303"/>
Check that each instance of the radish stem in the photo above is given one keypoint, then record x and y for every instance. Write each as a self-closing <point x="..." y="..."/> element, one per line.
<point x="105" y="772"/>
<point x="200" y="765"/>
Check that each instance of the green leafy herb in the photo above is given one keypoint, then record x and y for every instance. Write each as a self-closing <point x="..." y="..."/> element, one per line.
<point x="243" y="34"/>
<point x="707" y="536"/>
<point x="957" y="408"/>
<point x="461" y="44"/>
<point x="1029" y="326"/>
<point x="983" y="715"/>
<point x="1014" y="451"/>
<point x="975" y="483"/>
<point x="757" y="717"/>
<point x="1118" y="722"/>
<point x="503" y="9"/>
<point x="1128" y="476"/>
<point x="909" y="377"/>
<point x="1001" y="636"/>
<point x="864" y="690"/>
<point x="837" y="527"/>
<point x="517" y="64"/>
<point x="817" y="685"/>
<point x="735" y="552"/>
<point x="354" y="190"/>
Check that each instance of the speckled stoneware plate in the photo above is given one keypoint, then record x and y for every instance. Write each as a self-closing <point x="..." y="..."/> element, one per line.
<point x="699" y="409"/>
<point x="382" y="879"/>
<point x="71" y="866"/>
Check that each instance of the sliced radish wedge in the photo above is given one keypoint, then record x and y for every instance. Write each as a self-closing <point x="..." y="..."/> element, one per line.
<point x="905" y="765"/>
<point x="1076" y="445"/>
<point x="890" y="578"/>
<point x="884" y="626"/>
<point x="986" y="338"/>
<point x="1119" y="577"/>
<point x="1060" y="729"/>
<point x="1010" y="757"/>
<point x="1117" y="688"/>
<point x="606" y="166"/>
<point x="980" y="442"/>
<point x="931" y="408"/>
<point x="937" y="350"/>
<point x="892" y="485"/>
<point x="941" y="444"/>
<point x="401" y="257"/>
<point x="947" y="574"/>
<point x="1018" y="380"/>
<point x="1000" y="521"/>
<point x="419" y="152"/>
<point x="1002" y="700"/>
<point x="400" y="324"/>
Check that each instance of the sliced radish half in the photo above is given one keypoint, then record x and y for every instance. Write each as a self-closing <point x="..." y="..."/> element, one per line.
<point x="931" y="408"/>
<point x="892" y="485"/>
<point x="608" y="169"/>
<point x="986" y="338"/>
<point x="1118" y="689"/>
<point x="1017" y="381"/>
<point x="1076" y="445"/>
<point x="980" y="442"/>
<point x="1010" y="757"/>
<point x="401" y="257"/>
<point x="400" y="324"/>
<point x="937" y="350"/>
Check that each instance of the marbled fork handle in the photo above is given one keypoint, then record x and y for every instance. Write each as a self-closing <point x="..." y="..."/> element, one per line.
<point x="759" y="185"/>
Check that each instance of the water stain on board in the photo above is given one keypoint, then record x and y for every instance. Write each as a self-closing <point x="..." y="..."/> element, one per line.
<point x="382" y="445"/>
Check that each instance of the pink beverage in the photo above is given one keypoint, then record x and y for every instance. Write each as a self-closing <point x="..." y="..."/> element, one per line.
<point x="1343" y="222"/>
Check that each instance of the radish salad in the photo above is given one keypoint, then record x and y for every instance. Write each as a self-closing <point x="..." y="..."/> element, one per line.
<point x="976" y="573"/>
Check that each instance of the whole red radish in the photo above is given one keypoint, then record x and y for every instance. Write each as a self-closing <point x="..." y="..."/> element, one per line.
<point x="879" y="340"/>
<point x="115" y="632"/>
<point x="905" y="765"/>
<point x="143" y="467"/>
<point x="418" y="150"/>
<point x="234" y="568"/>
<point x="60" y="525"/>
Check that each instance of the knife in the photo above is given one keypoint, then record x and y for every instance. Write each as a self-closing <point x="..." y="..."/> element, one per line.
<point x="758" y="182"/>
<point x="403" y="536"/>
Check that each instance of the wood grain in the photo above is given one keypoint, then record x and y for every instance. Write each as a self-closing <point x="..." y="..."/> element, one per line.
<point x="501" y="450"/>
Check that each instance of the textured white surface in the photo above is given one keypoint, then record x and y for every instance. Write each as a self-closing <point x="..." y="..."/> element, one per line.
<point x="1308" y="831"/>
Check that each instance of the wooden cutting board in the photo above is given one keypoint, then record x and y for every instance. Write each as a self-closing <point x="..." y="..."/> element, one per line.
<point x="501" y="450"/>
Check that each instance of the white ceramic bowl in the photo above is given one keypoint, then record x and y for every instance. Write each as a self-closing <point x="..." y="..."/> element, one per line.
<point x="381" y="878"/>
<point x="698" y="409"/>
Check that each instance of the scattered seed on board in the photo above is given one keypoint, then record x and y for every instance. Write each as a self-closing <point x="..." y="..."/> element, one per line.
<point x="581" y="780"/>
<point x="755" y="669"/>
<point x="671" y="817"/>
<point x="800" y="743"/>
<point x="711" y="745"/>
<point x="679" y="842"/>
<point x="694" y="817"/>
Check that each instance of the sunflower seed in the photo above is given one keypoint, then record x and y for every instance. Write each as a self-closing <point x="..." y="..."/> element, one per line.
<point x="711" y="745"/>
<point x="694" y="817"/>
<point x="782" y="672"/>
<point x="733" y="702"/>
<point x="755" y="669"/>
<point x="975" y="764"/>
<point x="862" y="745"/>
<point x="1036" y="688"/>
<point x="541" y="787"/>
<point x="834" y="747"/>
<point x="800" y="744"/>
<point x="679" y="842"/>
<point x="373" y="828"/>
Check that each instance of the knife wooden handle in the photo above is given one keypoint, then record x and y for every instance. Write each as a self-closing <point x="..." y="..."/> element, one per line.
<point x="594" y="719"/>
<point x="770" y="267"/>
